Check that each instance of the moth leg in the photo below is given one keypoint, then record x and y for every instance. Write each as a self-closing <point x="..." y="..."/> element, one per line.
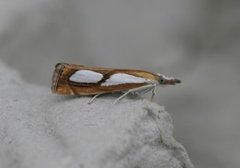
<point x="141" y="92"/>
<point x="93" y="98"/>
<point x="133" y="90"/>
<point x="153" y="91"/>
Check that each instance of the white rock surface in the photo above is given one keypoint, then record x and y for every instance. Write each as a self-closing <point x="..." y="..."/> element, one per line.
<point x="39" y="129"/>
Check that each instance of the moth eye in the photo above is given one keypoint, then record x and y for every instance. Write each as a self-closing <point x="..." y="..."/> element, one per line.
<point x="162" y="80"/>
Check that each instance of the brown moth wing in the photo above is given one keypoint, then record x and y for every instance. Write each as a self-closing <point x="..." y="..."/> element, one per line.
<point x="62" y="85"/>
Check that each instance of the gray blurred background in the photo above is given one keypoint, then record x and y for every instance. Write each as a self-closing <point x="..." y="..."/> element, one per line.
<point x="197" y="41"/>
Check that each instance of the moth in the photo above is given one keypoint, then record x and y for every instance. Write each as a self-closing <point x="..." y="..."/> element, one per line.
<point x="72" y="79"/>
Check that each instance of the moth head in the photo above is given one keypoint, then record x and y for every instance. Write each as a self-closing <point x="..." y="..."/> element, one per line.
<point x="164" y="80"/>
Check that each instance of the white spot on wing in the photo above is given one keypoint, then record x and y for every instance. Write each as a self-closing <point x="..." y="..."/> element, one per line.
<point x="86" y="76"/>
<point x="122" y="78"/>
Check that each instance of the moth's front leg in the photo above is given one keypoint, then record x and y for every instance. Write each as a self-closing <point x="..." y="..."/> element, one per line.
<point x="135" y="90"/>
